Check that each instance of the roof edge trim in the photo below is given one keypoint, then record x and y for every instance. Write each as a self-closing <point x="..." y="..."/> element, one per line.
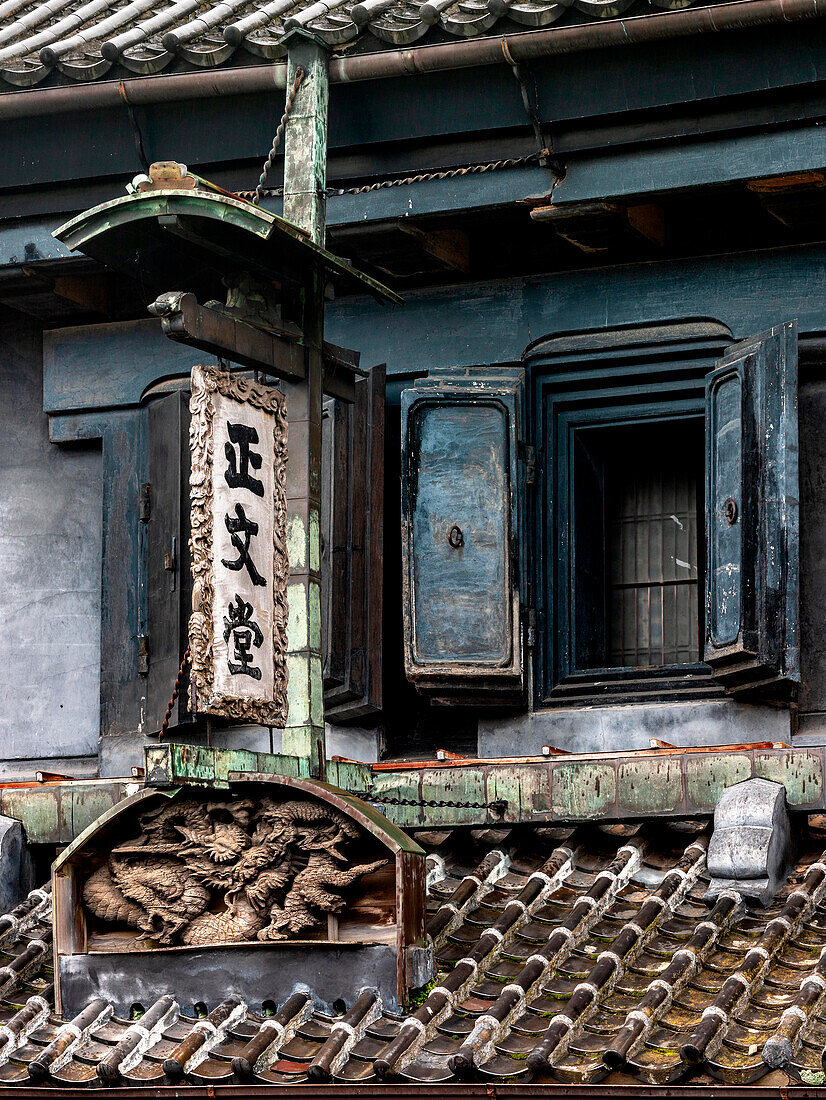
<point x="504" y="49"/>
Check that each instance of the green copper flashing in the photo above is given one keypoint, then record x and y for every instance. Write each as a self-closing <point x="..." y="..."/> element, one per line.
<point x="606" y="787"/>
<point x="99" y="232"/>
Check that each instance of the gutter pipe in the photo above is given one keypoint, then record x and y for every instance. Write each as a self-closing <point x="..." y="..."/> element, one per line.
<point x="405" y="1091"/>
<point x="510" y="48"/>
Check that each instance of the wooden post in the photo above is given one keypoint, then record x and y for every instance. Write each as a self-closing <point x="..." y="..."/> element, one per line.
<point x="305" y="137"/>
<point x="305" y="177"/>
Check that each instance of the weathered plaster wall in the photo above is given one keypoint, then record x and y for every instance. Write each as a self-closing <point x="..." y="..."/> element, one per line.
<point x="50" y="546"/>
<point x="480" y="323"/>
<point x="612" y="728"/>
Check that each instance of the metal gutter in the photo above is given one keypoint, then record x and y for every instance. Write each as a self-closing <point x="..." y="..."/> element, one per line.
<point x="500" y="49"/>
<point x="446" y="1091"/>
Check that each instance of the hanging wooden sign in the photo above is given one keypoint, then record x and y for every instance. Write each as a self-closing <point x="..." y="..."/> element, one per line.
<point x="238" y="627"/>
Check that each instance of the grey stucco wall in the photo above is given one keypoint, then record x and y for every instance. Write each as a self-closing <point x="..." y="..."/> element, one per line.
<point x="616" y="728"/>
<point x="50" y="547"/>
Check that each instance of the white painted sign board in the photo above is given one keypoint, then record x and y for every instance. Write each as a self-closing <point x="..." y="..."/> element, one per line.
<point x="238" y="627"/>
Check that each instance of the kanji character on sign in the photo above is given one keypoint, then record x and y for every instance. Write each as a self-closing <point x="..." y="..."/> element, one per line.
<point x="246" y="633"/>
<point x="237" y="473"/>
<point x="248" y="528"/>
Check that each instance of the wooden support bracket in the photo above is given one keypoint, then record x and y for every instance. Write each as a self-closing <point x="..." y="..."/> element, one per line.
<point x="282" y="354"/>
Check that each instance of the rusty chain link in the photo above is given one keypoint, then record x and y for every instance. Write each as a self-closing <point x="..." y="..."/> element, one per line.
<point x="498" y="807"/>
<point x="175" y="690"/>
<point x="407" y="181"/>
<point x="279" y="133"/>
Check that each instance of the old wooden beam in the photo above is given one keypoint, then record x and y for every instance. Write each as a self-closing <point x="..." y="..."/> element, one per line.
<point x="796" y="200"/>
<point x="610" y="787"/>
<point x="450" y="247"/>
<point x="598" y="226"/>
<point x="56" y="813"/>
<point x="221" y="334"/>
<point x="281" y="354"/>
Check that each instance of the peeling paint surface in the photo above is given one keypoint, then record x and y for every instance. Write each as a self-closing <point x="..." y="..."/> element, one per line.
<point x="583" y="791"/>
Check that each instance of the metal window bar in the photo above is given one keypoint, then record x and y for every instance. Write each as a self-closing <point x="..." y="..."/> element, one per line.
<point x="653" y="574"/>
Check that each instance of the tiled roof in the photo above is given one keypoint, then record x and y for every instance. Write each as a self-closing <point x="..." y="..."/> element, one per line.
<point x="85" y="39"/>
<point x="564" y="956"/>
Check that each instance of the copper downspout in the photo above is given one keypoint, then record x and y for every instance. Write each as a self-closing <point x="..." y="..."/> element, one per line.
<point x="524" y="46"/>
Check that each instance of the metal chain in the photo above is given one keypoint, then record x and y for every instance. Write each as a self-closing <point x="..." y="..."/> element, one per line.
<point x="429" y="177"/>
<point x="279" y="133"/>
<point x="422" y="177"/>
<point x="175" y="690"/>
<point x="498" y="807"/>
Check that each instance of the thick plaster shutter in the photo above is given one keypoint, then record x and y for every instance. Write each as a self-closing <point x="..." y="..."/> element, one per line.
<point x="751" y="622"/>
<point x="352" y="523"/>
<point x="461" y="510"/>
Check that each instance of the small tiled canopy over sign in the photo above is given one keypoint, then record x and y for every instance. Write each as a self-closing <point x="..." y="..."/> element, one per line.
<point x="177" y="231"/>
<point x="202" y="894"/>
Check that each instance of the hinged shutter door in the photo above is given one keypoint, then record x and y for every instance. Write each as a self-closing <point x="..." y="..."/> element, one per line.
<point x="460" y="486"/>
<point x="751" y="629"/>
<point x="352" y="520"/>
<point x="169" y="584"/>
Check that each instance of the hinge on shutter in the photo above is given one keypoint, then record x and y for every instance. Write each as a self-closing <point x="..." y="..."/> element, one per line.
<point x="530" y="635"/>
<point x="528" y="455"/>
<point x="144" y="503"/>
<point x="143" y="654"/>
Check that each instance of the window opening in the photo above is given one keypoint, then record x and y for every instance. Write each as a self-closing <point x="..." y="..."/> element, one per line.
<point x="638" y="547"/>
<point x="653" y="550"/>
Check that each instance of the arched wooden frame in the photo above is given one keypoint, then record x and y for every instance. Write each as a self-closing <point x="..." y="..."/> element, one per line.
<point x="408" y="858"/>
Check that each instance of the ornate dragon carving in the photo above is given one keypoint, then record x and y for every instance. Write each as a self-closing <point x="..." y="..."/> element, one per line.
<point x="206" y="872"/>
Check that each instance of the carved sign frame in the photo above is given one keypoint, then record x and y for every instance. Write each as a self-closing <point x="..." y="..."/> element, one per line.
<point x="208" y="383"/>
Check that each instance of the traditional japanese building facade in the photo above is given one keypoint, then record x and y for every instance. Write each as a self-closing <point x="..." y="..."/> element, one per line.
<point x="567" y="595"/>
<point x="632" y="213"/>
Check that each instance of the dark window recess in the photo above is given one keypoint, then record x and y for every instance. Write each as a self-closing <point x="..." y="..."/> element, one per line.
<point x="667" y="468"/>
<point x="652" y="506"/>
<point x="636" y="546"/>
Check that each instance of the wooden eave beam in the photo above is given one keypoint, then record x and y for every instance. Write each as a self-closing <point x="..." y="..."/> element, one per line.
<point x="595" y="226"/>
<point x="277" y="353"/>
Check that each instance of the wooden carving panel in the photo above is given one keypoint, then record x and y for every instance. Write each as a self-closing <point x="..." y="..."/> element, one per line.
<point x="238" y="629"/>
<point x="204" y="872"/>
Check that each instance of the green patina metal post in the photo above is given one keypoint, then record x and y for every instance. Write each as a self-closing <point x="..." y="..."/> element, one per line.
<point x="305" y="137"/>
<point x="305" y="177"/>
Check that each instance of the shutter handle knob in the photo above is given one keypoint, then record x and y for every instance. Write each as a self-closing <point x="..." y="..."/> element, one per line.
<point x="455" y="537"/>
<point x="730" y="511"/>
